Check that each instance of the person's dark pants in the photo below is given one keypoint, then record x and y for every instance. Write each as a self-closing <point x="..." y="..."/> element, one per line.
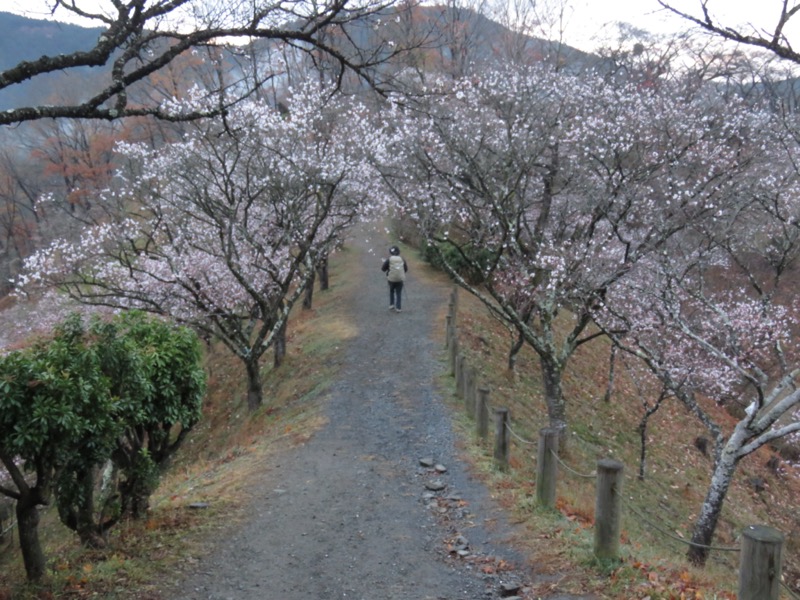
<point x="395" y="293"/>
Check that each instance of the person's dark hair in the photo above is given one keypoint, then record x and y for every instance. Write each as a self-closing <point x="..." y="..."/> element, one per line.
<point x="394" y="250"/>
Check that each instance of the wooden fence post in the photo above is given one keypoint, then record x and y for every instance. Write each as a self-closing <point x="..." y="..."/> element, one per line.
<point x="460" y="365"/>
<point x="454" y="352"/>
<point x="501" y="438"/>
<point x="547" y="467"/>
<point x="448" y="331"/>
<point x="607" y="514"/>
<point x="482" y="413"/>
<point x="761" y="563"/>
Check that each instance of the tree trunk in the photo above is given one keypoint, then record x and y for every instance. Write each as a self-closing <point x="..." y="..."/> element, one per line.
<point x="254" y="391"/>
<point x="514" y="351"/>
<point x="78" y="512"/>
<point x="554" y="397"/>
<point x="28" y="528"/>
<point x="322" y="272"/>
<point x="139" y="479"/>
<point x="308" y="299"/>
<point x="706" y="523"/>
<point x="140" y="501"/>
<point x="649" y="411"/>
<point x="280" y="344"/>
<point x="611" y="363"/>
<point x="88" y="528"/>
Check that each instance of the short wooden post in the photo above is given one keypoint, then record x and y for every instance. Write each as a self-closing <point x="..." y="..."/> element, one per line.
<point x="448" y="333"/>
<point x="482" y="413"/>
<point x="547" y="467"/>
<point x="761" y="563"/>
<point x="501" y="439"/>
<point x="460" y="364"/>
<point x="454" y="299"/>
<point x="607" y="514"/>
<point x="454" y="352"/>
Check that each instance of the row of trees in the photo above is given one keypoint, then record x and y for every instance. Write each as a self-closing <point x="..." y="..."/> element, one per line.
<point x="657" y="212"/>
<point x="224" y="229"/>
<point x="661" y="216"/>
<point x="113" y="397"/>
<point x="664" y="217"/>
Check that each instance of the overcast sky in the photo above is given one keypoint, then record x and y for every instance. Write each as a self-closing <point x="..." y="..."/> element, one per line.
<point x="596" y="18"/>
<point x="588" y="19"/>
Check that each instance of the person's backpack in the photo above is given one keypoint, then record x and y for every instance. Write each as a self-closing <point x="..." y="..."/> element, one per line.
<point x="397" y="270"/>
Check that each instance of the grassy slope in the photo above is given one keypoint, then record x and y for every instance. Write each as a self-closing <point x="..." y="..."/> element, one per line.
<point x="214" y="467"/>
<point x="225" y="453"/>
<point x="667" y="499"/>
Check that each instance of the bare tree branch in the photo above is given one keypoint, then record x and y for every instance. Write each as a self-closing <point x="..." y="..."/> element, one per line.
<point x="774" y="41"/>
<point x="145" y="37"/>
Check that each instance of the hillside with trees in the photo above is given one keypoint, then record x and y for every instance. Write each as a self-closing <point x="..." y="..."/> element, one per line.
<point x="648" y="199"/>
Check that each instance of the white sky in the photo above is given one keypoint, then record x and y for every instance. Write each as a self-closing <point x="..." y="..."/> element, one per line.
<point x="587" y="21"/>
<point x="595" y="18"/>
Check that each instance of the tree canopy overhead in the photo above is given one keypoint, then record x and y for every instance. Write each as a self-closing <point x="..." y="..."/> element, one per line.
<point x="142" y="37"/>
<point x="224" y="229"/>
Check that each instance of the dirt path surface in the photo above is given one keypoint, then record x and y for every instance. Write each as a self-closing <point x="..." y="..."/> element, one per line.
<point x="349" y="513"/>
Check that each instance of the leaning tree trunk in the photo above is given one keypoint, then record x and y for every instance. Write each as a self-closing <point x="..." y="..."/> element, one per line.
<point x="254" y="390"/>
<point x="28" y="529"/>
<point x="706" y="523"/>
<point x="514" y="352"/>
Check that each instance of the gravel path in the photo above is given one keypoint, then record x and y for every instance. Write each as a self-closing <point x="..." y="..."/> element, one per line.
<point x="348" y="514"/>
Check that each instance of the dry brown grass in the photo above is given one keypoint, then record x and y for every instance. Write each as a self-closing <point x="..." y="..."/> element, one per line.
<point x="226" y="451"/>
<point x="215" y="468"/>
<point x="668" y="498"/>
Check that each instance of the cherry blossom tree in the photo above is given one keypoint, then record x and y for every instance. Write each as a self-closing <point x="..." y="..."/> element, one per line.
<point x="538" y="190"/>
<point x="715" y="318"/>
<point x="223" y="230"/>
<point x="141" y="38"/>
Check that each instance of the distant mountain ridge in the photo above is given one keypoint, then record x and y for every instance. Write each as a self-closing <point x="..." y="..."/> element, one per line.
<point x="22" y="38"/>
<point x="26" y="39"/>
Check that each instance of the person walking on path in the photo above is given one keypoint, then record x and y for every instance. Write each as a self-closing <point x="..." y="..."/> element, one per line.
<point x="346" y="513"/>
<point x="395" y="268"/>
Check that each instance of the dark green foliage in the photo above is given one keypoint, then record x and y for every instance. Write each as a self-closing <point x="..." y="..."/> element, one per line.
<point x="158" y="386"/>
<point x="170" y="358"/>
<point x="121" y="395"/>
<point x="56" y="411"/>
<point x="470" y="262"/>
<point x="118" y="362"/>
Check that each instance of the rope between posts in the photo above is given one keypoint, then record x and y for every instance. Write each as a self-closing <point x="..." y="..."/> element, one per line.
<point x="522" y="440"/>
<point x="591" y="475"/>
<point x="647" y="521"/>
<point x="9" y="528"/>
<point x="789" y="591"/>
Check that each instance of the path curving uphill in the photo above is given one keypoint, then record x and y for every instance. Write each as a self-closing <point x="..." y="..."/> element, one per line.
<point x="352" y="514"/>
